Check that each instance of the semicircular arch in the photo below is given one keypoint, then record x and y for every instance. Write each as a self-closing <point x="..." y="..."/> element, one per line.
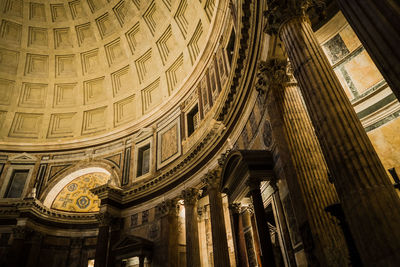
<point x="72" y="173"/>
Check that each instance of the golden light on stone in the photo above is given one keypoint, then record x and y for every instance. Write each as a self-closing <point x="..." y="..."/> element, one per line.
<point x="98" y="72"/>
<point x="76" y="197"/>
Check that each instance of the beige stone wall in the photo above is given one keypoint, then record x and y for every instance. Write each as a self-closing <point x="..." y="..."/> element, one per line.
<point x="372" y="99"/>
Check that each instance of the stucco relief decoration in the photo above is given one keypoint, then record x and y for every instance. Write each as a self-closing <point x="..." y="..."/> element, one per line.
<point x="76" y="197"/>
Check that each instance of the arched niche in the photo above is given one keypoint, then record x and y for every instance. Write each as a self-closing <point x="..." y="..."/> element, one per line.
<point x="74" y="187"/>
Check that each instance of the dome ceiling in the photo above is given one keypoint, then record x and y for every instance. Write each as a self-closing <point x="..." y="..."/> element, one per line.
<point x="81" y="69"/>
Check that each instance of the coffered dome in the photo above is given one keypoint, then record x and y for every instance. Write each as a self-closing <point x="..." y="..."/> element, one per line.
<point x="76" y="71"/>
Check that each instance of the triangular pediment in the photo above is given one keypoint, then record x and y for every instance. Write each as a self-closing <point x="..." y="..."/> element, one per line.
<point x="24" y="157"/>
<point x="143" y="134"/>
<point x="131" y="241"/>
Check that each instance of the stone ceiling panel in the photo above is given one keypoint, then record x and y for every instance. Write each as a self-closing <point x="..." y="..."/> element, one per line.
<point x="83" y="68"/>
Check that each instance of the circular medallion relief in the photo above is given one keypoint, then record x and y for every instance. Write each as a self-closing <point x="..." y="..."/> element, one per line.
<point x="72" y="187"/>
<point x="267" y="134"/>
<point x="83" y="202"/>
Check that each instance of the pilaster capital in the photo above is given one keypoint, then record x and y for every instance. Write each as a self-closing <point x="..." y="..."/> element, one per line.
<point x="190" y="196"/>
<point x="76" y="242"/>
<point x="20" y="232"/>
<point x="281" y="11"/>
<point x="37" y="237"/>
<point x="168" y="207"/>
<point x="212" y="179"/>
<point x="249" y="208"/>
<point x="253" y="184"/>
<point x="105" y="218"/>
<point x="235" y="208"/>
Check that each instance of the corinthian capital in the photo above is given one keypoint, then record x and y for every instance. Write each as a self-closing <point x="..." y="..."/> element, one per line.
<point x="235" y="208"/>
<point x="190" y="195"/>
<point x="272" y="72"/>
<point x="168" y="207"/>
<point x="20" y="232"/>
<point x="104" y="218"/>
<point x="280" y="11"/>
<point x="212" y="179"/>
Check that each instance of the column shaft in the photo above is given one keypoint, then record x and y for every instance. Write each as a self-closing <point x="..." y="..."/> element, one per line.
<point x="34" y="252"/>
<point x="74" y="257"/>
<point x="249" y="239"/>
<point x="102" y="256"/>
<point x="361" y="182"/>
<point x="218" y="230"/>
<point x="141" y="261"/>
<point x="169" y="232"/>
<point x="192" y="227"/>
<point x="292" y="123"/>
<point x="235" y="213"/>
<point x="17" y="247"/>
<point x="267" y="257"/>
<point x="376" y="24"/>
<point x="103" y="239"/>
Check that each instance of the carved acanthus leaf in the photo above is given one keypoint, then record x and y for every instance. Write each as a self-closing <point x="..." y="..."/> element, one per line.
<point x="280" y="11"/>
<point x="168" y="207"/>
<point x="272" y="72"/>
<point x="212" y="179"/>
<point x="190" y="196"/>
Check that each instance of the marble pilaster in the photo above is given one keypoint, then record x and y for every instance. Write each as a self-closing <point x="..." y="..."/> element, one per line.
<point x="363" y="187"/>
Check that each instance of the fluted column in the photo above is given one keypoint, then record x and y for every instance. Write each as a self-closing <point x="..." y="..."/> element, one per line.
<point x="376" y="24"/>
<point x="168" y="211"/>
<point x="290" y="122"/>
<point x="267" y="257"/>
<point x="369" y="201"/>
<point x="103" y="239"/>
<point x="218" y="229"/>
<point x="190" y="197"/>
